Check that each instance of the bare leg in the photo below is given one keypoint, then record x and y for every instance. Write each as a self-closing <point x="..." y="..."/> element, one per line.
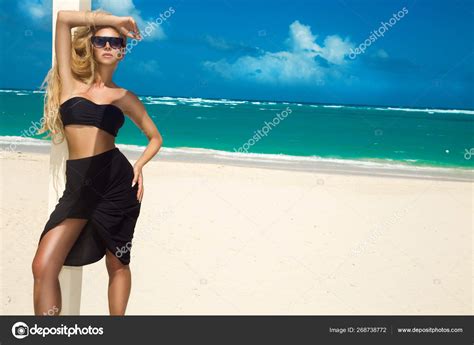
<point x="120" y="283"/>
<point x="47" y="263"/>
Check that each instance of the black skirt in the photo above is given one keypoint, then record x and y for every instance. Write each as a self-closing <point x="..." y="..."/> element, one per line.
<point x="99" y="188"/>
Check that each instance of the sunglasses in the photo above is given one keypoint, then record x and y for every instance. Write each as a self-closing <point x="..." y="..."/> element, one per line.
<point x="101" y="41"/>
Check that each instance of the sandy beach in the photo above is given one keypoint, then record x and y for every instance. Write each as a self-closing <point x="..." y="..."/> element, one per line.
<point x="216" y="236"/>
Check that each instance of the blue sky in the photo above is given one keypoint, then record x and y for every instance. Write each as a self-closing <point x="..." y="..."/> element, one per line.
<point x="274" y="50"/>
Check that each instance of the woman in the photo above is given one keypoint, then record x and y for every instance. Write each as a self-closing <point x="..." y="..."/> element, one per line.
<point x="97" y="213"/>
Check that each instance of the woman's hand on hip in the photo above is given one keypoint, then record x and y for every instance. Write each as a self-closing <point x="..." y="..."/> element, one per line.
<point x="138" y="178"/>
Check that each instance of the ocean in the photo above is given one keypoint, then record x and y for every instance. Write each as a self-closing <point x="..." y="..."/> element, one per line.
<point x="280" y="130"/>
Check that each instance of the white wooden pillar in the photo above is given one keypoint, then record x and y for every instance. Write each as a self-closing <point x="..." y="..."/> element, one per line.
<point x="70" y="277"/>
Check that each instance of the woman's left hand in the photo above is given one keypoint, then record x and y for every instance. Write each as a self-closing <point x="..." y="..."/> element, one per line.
<point x="138" y="178"/>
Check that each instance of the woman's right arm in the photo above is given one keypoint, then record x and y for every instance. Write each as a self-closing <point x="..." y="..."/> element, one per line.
<point x="65" y="21"/>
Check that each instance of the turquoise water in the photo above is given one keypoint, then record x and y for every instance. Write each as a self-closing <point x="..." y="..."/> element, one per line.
<point x="433" y="137"/>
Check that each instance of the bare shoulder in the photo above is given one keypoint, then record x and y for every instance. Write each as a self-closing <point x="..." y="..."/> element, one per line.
<point x="130" y="96"/>
<point x="131" y="103"/>
<point x="137" y="112"/>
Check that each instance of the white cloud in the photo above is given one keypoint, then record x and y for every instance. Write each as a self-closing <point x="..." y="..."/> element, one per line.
<point x="270" y="67"/>
<point x="301" y="39"/>
<point x="298" y="64"/>
<point x="127" y="8"/>
<point x="38" y="10"/>
<point x="335" y="49"/>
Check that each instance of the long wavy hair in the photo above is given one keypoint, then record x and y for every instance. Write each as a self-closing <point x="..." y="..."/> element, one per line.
<point x="83" y="68"/>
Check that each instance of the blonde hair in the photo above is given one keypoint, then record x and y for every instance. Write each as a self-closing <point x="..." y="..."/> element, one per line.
<point x="83" y="68"/>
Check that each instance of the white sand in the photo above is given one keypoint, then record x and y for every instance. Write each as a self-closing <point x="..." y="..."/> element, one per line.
<point x="221" y="239"/>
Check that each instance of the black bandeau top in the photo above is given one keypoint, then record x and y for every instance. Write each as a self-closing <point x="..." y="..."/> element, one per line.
<point x="83" y="111"/>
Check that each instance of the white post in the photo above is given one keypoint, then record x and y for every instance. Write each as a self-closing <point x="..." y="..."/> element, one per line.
<point x="70" y="277"/>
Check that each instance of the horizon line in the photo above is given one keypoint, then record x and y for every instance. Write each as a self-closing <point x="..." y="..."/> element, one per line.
<point x="286" y="101"/>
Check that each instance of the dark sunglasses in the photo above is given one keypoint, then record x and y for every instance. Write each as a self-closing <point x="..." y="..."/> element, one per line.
<point x="101" y="41"/>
